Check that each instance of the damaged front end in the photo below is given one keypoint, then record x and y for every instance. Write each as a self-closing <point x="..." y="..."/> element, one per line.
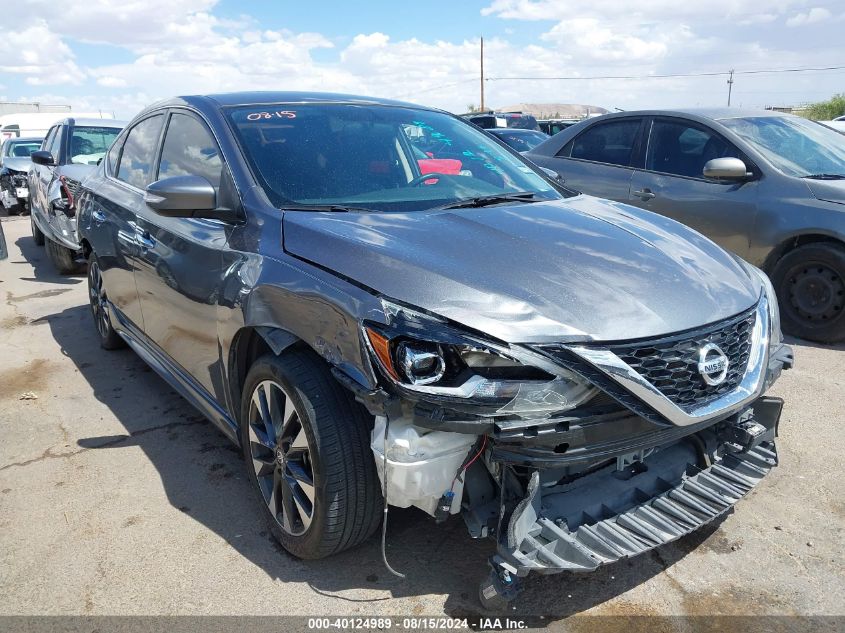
<point x="575" y="454"/>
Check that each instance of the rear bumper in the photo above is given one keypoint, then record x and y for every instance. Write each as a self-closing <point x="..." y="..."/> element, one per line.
<point x="605" y="517"/>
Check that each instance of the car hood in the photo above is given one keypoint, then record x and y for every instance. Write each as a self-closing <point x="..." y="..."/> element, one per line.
<point x="17" y="163"/>
<point x="827" y="190"/>
<point x="549" y="271"/>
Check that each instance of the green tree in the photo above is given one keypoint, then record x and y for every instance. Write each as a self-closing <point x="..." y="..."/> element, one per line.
<point x="826" y="110"/>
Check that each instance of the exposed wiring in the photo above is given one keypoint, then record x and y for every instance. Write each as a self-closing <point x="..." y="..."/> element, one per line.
<point x="464" y="468"/>
<point x="384" y="495"/>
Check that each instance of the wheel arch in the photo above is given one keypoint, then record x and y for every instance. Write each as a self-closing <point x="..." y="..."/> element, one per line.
<point x="797" y="241"/>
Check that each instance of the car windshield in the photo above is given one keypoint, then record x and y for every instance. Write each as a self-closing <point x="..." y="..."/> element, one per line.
<point x="524" y="140"/>
<point x="89" y="144"/>
<point x="795" y="146"/>
<point x="383" y="158"/>
<point x="21" y="149"/>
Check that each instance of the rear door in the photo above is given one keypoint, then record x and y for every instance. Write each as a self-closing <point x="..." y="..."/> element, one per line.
<point x="601" y="160"/>
<point x="115" y="204"/>
<point x="180" y="268"/>
<point x="672" y="183"/>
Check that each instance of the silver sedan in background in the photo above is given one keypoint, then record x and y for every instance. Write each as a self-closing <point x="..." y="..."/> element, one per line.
<point x="768" y="186"/>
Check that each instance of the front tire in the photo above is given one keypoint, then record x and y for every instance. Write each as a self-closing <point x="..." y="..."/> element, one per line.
<point x="810" y="285"/>
<point x="307" y="451"/>
<point x="62" y="257"/>
<point x="37" y="235"/>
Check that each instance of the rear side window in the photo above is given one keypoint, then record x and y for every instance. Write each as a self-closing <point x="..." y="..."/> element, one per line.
<point x="682" y="149"/>
<point x="189" y="150"/>
<point x="611" y="142"/>
<point x="136" y="161"/>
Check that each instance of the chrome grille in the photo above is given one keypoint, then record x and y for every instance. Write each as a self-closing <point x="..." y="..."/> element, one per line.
<point x="671" y="363"/>
<point x="74" y="186"/>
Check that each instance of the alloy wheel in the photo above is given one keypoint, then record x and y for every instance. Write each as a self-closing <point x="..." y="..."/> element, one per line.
<point x="282" y="458"/>
<point x="97" y="297"/>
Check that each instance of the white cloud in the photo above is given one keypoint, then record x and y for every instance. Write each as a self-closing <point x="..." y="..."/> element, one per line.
<point x="38" y="53"/>
<point x="816" y="14"/>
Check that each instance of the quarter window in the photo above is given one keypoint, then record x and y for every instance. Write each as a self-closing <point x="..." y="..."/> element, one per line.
<point x="682" y="149"/>
<point x="611" y="142"/>
<point x="189" y="150"/>
<point x="136" y="162"/>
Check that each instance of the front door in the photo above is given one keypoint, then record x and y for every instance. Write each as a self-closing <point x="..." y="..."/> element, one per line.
<point x="180" y="268"/>
<point x="672" y="184"/>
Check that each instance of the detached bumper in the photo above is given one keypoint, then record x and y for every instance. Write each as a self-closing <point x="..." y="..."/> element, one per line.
<point x="699" y="499"/>
<point x="613" y="514"/>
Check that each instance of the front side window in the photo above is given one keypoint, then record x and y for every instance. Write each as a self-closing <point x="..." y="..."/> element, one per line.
<point x="136" y="161"/>
<point x="379" y="157"/>
<point x="682" y="149"/>
<point x="189" y="150"/>
<point x="89" y="144"/>
<point x="611" y="142"/>
<point x="795" y="146"/>
<point x="56" y="144"/>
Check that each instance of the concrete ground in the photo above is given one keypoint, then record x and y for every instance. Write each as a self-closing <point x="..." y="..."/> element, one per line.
<point x="116" y="497"/>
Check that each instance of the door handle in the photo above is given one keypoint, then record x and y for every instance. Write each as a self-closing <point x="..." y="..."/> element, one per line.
<point x="143" y="239"/>
<point x="98" y="216"/>
<point x="644" y="194"/>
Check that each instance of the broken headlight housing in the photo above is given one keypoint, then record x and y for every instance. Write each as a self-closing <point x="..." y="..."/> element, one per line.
<point x="775" y="334"/>
<point x="441" y="364"/>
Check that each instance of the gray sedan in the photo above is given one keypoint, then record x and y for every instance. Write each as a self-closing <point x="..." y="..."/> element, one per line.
<point x="768" y="186"/>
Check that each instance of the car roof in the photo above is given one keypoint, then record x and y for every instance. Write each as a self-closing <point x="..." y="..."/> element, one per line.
<point x="713" y="114"/>
<point x="24" y="139"/>
<point x="513" y="130"/>
<point x="270" y="97"/>
<point x="94" y="122"/>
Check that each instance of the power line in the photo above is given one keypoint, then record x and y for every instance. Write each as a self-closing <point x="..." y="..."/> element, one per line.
<point x="720" y="73"/>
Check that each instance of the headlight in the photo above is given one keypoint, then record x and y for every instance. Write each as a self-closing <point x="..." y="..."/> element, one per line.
<point x="444" y="366"/>
<point x="775" y="334"/>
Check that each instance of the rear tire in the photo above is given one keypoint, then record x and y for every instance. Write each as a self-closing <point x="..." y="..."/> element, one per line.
<point x="810" y="285"/>
<point x="98" y="300"/>
<point x="37" y="235"/>
<point x="62" y="257"/>
<point x="316" y="446"/>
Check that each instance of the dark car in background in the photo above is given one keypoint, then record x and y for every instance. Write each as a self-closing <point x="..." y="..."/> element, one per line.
<point x="580" y="380"/>
<point x="766" y="185"/>
<point x="491" y="119"/>
<point x="553" y="126"/>
<point x="14" y="166"/>
<point x="520" y="140"/>
<point x="70" y="151"/>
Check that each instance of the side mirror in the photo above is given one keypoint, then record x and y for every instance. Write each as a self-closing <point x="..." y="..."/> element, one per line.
<point x="182" y="197"/>
<point x="725" y="169"/>
<point x="551" y="173"/>
<point x="42" y="157"/>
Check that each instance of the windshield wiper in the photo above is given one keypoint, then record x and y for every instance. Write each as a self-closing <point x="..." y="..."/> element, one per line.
<point x="483" y="201"/>
<point x="338" y="208"/>
<point x="825" y="176"/>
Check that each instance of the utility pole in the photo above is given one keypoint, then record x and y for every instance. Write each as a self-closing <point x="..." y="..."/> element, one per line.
<point x="730" y="86"/>
<point x="482" y="74"/>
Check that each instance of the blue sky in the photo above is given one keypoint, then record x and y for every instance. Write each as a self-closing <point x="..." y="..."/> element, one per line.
<point x="119" y="56"/>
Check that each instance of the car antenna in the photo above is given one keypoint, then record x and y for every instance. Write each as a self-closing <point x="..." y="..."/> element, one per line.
<point x="384" y="495"/>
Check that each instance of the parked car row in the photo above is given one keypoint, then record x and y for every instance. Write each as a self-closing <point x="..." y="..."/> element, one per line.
<point x="14" y="167"/>
<point x="430" y="320"/>
<point x="767" y="186"/>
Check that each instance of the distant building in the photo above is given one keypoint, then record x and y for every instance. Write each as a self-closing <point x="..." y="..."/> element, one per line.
<point x="554" y="110"/>
<point x="20" y="107"/>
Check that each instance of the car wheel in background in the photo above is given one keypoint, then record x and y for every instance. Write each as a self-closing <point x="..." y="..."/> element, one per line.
<point x="810" y="284"/>
<point x="62" y="257"/>
<point x="306" y="443"/>
<point x="37" y="235"/>
<point x="109" y="339"/>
